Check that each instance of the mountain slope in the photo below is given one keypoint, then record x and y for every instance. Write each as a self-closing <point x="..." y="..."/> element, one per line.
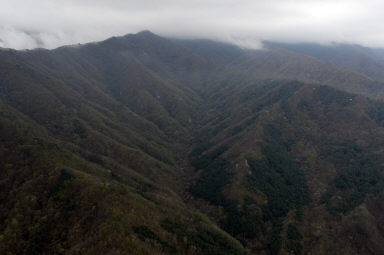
<point x="285" y="61"/>
<point x="114" y="68"/>
<point x="353" y="57"/>
<point x="215" y="52"/>
<point x="78" y="159"/>
<point x="278" y="63"/>
<point x="273" y="134"/>
<point x="144" y="145"/>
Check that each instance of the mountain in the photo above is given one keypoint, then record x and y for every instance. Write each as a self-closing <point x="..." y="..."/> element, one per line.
<point x="297" y="62"/>
<point x="302" y="147"/>
<point x="353" y="57"/>
<point x="278" y="63"/>
<point x="214" y="52"/>
<point x="89" y="141"/>
<point x="146" y="145"/>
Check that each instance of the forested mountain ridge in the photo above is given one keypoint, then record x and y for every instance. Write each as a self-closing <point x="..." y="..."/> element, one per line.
<point x="144" y="145"/>
<point x="353" y="57"/>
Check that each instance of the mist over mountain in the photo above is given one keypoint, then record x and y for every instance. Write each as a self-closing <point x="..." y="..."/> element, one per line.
<point x="141" y="144"/>
<point x="27" y="24"/>
<point x="361" y="59"/>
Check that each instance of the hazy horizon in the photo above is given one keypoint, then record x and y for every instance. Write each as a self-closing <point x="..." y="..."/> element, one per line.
<point x="27" y="24"/>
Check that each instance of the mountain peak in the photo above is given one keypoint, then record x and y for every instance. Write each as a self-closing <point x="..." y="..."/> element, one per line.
<point x="145" y="33"/>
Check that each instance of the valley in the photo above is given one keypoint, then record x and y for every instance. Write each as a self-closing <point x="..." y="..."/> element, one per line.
<point x="146" y="145"/>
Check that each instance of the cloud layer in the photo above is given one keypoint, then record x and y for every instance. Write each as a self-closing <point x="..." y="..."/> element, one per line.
<point x="26" y="24"/>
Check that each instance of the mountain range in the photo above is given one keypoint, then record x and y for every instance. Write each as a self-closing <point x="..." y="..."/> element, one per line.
<point x="148" y="145"/>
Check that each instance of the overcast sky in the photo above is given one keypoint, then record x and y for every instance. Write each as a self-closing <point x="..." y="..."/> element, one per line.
<point x="52" y="23"/>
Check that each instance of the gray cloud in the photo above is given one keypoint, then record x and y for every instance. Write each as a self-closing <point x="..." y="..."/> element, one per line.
<point x="26" y="24"/>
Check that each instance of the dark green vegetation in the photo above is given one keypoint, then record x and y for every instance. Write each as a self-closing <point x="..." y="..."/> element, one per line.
<point x="142" y="145"/>
<point x="360" y="177"/>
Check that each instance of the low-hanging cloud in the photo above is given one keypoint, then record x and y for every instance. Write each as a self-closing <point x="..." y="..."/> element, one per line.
<point x="26" y="24"/>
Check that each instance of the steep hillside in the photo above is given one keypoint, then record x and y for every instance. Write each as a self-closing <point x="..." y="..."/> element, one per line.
<point x="144" y="145"/>
<point x="138" y="75"/>
<point x="214" y="52"/>
<point x="277" y="63"/>
<point x="353" y="57"/>
<point x="298" y="166"/>
<point x="297" y="62"/>
<point x="89" y="158"/>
